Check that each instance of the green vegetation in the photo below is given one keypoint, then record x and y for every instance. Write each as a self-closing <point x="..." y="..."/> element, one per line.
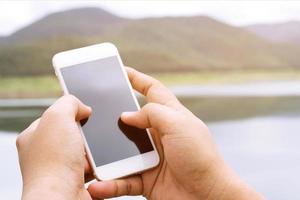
<point x="48" y="86"/>
<point x="29" y="87"/>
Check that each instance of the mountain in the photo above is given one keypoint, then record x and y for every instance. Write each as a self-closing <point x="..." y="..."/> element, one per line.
<point x="80" y="22"/>
<point x="151" y="44"/>
<point x="287" y="32"/>
<point x="192" y="43"/>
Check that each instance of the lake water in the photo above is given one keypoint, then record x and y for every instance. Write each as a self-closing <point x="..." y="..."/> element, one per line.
<point x="264" y="151"/>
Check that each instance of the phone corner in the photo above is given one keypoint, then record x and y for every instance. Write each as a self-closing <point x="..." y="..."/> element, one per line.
<point x="97" y="178"/>
<point x="157" y="160"/>
<point x="110" y="45"/>
<point x="54" y="59"/>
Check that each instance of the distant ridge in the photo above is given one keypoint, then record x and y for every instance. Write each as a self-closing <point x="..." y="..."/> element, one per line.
<point x="153" y="44"/>
<point x="76" y="22"/>
<point x="286" y="32"/>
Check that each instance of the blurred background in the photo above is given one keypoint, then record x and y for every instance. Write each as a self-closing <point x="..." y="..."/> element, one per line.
<point x="235" y="64"/>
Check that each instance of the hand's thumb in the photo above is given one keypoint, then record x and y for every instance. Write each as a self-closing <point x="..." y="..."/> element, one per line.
<point x="152" y="115"/>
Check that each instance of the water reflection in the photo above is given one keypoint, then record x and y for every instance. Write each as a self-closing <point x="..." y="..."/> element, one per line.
<point x="10" y="177"/>
<point x="265" y="151"/>
<point x="209" y="109"/>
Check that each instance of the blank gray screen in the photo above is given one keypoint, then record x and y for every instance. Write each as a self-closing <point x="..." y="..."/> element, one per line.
<point x="101" y="85"/>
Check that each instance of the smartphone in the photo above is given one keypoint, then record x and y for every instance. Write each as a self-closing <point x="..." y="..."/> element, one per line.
<point x="96" y="75"/>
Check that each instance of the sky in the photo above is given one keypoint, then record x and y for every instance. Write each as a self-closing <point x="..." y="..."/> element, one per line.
<point x="17" y="14"/>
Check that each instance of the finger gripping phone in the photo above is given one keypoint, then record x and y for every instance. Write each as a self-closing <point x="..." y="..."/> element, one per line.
<point x="96" y="75"/>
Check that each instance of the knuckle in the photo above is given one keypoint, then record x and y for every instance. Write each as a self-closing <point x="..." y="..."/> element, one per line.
<point x="62" y="106"/>
<point x="150" y="106"/>
<point x="67" y="100"/>
<point x="157" y="82"/>
<point x="116" y="189"/>
<point x="153" y="109"/>
<point x="128" y="187"/>
<point x="25" y="135"/>
<point x="70" y="102"/>
<point x="51" y="113"/>
<point x="19" y="141"/>
<point x="69" y="97"/>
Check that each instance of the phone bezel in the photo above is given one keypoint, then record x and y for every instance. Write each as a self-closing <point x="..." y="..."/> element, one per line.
<point x="124" y="167"/>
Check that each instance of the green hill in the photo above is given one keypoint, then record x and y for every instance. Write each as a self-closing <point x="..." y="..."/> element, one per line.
<point x="151" y="45"/>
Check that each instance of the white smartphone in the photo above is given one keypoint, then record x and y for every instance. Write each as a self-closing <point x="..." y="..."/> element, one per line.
<point x="96" y="75"/>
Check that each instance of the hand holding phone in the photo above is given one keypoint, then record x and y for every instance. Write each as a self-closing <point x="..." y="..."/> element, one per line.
<point x="96" y="76"/>
<point x="51" y="153"/>
<point x="191" y="166"/>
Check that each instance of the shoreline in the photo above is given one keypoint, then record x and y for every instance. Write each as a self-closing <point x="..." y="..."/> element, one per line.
<point x="48" y="86"/>
<point x="249" y="89"/>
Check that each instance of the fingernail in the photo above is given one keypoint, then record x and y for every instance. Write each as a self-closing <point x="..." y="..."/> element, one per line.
<point x="127" y="114"/>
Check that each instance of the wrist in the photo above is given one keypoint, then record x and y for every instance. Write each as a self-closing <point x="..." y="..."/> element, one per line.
<point x="227" y="185"/>
<point x="220" y="182"/>
<point x="237" y="189"/>
<point x="49" y="187"/>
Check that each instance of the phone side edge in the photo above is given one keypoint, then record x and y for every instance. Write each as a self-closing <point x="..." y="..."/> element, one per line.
<point x="55" y="63"/>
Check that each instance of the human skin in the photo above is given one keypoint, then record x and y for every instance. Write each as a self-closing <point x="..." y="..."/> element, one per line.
<point x="190" y="164"/>
<point x="51" y="153"/>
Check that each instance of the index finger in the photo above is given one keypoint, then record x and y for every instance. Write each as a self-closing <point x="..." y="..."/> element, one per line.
<point x="152" y="89"/>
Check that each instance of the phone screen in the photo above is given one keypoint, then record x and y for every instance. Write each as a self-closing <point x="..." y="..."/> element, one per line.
<point x="102" y="85"/>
